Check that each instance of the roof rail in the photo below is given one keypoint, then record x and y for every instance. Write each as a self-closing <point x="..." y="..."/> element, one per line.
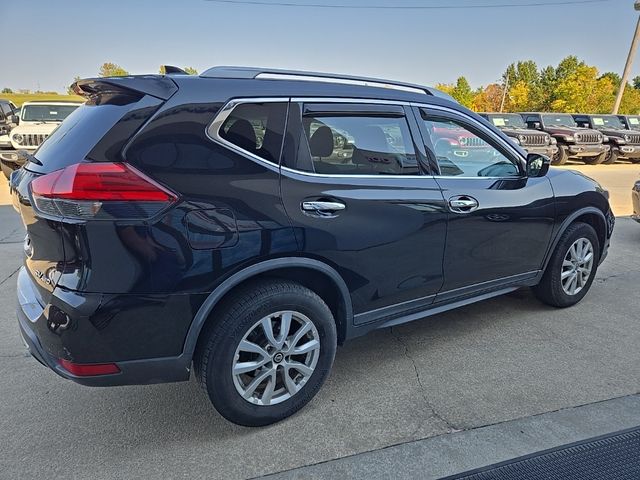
<point x="278" y="74"/>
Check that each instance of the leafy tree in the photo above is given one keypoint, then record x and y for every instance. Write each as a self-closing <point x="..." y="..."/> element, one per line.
<point x="546" y="89"/>
<point x="582" y="91"/>
<point x="519" y="97"/>
<point x="614" y="77"/>
<point x="636" y="82"/>
<point x="488" y="99"/>
<point x="462" y="92"/>
<point x="7" y="90"/>
<point x="112" y="70"/>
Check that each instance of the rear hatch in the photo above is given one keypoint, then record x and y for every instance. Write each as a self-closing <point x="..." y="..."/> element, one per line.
<point x="92" y="136"/>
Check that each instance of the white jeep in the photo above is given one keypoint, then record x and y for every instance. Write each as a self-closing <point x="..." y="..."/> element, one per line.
<point x="37" y="121"/>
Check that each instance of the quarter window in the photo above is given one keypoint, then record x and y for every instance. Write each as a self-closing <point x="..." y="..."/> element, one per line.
<point x="460" y="152"/>
<point x="257" y="128"/>
<point x="360" y="144"/>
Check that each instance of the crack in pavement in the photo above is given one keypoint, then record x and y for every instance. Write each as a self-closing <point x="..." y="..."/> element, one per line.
<point x="10" y="275"/>
<point x="450" y="427"/>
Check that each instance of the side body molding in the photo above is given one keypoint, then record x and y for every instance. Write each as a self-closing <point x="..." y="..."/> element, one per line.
<point x="264" y="267"/>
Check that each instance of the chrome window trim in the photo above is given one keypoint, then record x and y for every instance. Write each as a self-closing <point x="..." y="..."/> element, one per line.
<point x="212" y="132"/>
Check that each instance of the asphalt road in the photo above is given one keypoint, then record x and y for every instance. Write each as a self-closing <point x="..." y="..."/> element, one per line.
<point x="488" y="363"/>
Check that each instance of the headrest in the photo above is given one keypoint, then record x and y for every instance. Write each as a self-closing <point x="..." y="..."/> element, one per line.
<point x="242" y="134"/>
<point x="321" y="142"/>
<point x="372" y="148"/>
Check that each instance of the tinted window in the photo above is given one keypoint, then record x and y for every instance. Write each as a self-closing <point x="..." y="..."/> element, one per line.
<point x="257" y="128"/>
<point x="74" y="138"/>
<point x="360" y="145"/>
<point x="460" y="152"/>
<point x="46" y="113"/>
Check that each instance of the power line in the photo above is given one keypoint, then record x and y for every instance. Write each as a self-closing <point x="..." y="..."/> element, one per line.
<point x="408" y="7"/>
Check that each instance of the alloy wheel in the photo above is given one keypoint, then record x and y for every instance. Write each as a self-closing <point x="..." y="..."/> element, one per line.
<point x="577" y="266"/>
<point x="276" y="358"/>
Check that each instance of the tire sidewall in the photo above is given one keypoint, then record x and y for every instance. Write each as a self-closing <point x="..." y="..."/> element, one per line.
<point x="221" y="387"/>
<point x="575" y="232"/>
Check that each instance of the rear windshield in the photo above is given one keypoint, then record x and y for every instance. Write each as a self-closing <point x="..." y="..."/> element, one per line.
<point x="46" y="113"/>
<point x="74" y="138"/>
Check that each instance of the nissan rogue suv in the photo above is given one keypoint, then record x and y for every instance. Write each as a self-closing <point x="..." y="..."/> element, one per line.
<point x="244" y="222"/>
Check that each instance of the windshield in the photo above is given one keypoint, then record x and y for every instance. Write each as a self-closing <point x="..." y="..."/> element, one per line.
<point x="633" y="122"/>
<point x="607" y="121"/>
<point x="512" y="121"/>
<point x="559" y="120"/>
<point x="46" y="113"/>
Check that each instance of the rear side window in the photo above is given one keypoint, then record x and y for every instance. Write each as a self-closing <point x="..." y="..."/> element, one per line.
<point x="257" y="128"/>
<point x="73" y="140"/>
<point x="360" y="144"/>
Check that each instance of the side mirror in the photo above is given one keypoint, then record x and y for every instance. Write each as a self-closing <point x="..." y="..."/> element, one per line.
<point x="14" y="119"/>
<point x="537" y="165"/>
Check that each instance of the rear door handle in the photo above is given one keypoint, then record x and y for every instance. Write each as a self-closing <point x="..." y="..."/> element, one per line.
<point x="463" y="204"/>
<point x="321" y="208"/>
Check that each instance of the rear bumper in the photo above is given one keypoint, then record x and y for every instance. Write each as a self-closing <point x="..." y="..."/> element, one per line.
<point x="32" y="318"/>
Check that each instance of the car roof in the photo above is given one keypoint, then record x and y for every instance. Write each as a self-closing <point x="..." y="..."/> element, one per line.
<point x="52" y="102"/>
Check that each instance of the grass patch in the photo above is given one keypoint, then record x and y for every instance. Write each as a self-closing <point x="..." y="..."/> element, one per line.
<point x="20" y="98"/>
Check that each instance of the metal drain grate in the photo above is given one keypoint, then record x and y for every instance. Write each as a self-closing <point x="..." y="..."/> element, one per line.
<point x="614" y="456"/>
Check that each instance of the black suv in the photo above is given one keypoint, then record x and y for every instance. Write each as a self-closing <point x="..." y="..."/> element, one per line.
<point x="623" y="144"/>
<point x="248" y="221"/>
<point x="512" y="124"/>
<point x="573" y="142"/>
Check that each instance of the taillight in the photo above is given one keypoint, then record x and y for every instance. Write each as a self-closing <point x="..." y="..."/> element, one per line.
<point x="100" y="191"/>
<point x="89" y="369"/>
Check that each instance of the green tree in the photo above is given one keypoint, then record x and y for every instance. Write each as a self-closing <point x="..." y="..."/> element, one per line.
<point x="462" y="92"/>
<point x="188" y="70"/>
<point x="547" y="86"/>
<point x="636" y="82"/>
<point x="7" y="90"/>
<point x="112" y="70"/>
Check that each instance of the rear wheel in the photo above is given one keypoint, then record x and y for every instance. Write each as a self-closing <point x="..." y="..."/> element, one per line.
<point x="561" y="157"/>
<point x="572" y="267"/>
<point x="268" y="354"/>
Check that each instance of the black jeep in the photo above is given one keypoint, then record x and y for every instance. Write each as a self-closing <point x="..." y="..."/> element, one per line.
<point x="514" y="127"/>
<point x="573" y="142"/>
<point x="623" y="144"/>
<point x="244" y="222"/>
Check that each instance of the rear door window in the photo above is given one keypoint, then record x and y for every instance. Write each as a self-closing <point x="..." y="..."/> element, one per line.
<point x="363" y="143"/>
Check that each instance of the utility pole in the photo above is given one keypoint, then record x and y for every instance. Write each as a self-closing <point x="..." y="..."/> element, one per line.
<point x="627" y="67"/>
<point x="506" y="87"/>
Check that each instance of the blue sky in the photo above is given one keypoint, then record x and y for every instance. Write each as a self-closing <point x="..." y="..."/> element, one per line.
<point x="58" y="39"/>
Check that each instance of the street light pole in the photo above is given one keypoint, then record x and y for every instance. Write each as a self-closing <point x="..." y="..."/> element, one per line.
<point x="627" y="67"/>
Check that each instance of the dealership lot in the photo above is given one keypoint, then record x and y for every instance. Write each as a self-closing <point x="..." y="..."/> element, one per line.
<point x="487" y="363"/>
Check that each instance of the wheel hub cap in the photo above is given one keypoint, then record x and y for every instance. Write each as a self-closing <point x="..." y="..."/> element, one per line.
<point x="276" y="358"/>
<point x="577" y="266"/>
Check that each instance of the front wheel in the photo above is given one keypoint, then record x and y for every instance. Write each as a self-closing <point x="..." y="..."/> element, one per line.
<point x="561" y="157"/>
<point x="268" y="353"/>
<point x="572" y="267"/>
<point x="597" y="160"/>
<point x="611" y="156"/>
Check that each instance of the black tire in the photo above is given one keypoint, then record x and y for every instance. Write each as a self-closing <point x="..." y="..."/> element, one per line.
<point x="237" y="317"/>
<point x="550" y="289"/>
<point x="561" y="157"/>
<point x="611" y="157"/>
<point x="597" y="160"/>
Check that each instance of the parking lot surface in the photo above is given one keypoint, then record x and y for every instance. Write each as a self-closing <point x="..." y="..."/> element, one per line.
<point x="487" y="363"/>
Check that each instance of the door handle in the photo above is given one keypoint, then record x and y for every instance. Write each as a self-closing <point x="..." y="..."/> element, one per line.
<point x="322" y="208"/>
<point x="463" y="204"/>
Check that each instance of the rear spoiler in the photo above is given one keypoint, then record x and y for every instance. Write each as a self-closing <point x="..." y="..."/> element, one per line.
<point x="155" y="85"/>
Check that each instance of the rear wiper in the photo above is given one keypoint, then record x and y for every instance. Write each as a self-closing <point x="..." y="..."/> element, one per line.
<point x="28" y="156"/>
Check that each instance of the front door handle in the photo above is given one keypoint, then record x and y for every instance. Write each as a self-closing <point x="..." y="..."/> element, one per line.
<point x="321" y="208"/>
<point x="463" y="204"/>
